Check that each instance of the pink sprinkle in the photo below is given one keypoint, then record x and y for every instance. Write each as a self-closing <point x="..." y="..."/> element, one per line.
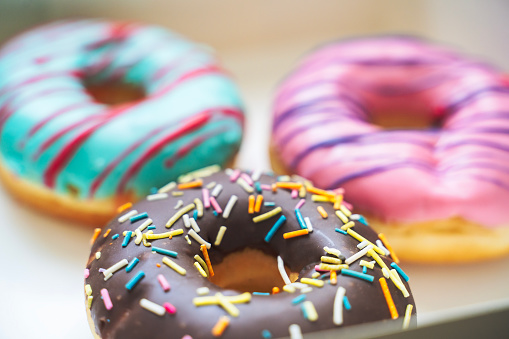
<point x="206" y="200"/>
<point x="348" y="205"/>
<point x="87" y="273"/>
<point x="300" y="203"/>
<point x="235" y="175"/>
<point x="169" y="308"/>
<point x="266" y="187"/>
<point x="295" y="194"/>
<point x="318" y="269"/>
<point x="216" y="206"/>
<point x="247" y="178"/>
<point x="106" y="299"/>
<point x="164" y="283"/>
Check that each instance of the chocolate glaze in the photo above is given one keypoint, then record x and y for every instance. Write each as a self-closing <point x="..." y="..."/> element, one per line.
<point x="275" y="312"/>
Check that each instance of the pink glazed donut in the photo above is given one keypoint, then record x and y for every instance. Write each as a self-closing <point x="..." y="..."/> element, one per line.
<point x="416" y="134"/>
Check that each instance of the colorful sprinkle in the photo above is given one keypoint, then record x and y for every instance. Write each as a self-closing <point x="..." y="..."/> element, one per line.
<point x="152" y="307"/>
<point x="179" y="214"/>
<point x="267" y="215"/>
<point x="245" y="186"/>
<point x="202" y="263"/>
<point x="250" y="208"/>
<point x="215" y="205"/>
<point x="135" y="280"/>
<point x="97" y="231"/>
<point x="126" y="216"/>
<point x="107" y="233"/>
<point x="389" y="247"/>
<point x="299" y="299"/>
<point x="220" y="326"/>
<point x="346" y="302"/>
<point x="282" y="271"/>
<point x="408" y="315"/>
<point x="342" y="217"/>
<point x="300" y="219"/>
<point x="337" y="313"/>
<point x="269" y="204"/>
<point x="322" y="212"/>
<point x="199" y="239"/>
<point x="220" y="235"/>
<point x="295" y="331"/>
<point x="360" y="238"/>
<point x="206" y="197"/>
<point x="217" y="190"/>
<point x="192" y="184"/>
<point x="229" y="206"/>
<point x="382" y="247"/>
<point x="356" y="274"/>
<point x="309" y="226"/>
<point x="158" y="196"/>
<point x="194" y="224"/>
<point x="138" y="217"/>
<point x="106" y="299"/>
<point x="205" y="253"/>
<point x="339" y="230"/>
<point x="200" y="269"/>
<point x="124" y="207"/>
<point x="86" y="273"/>
<point x="163" y="282"/>
<point x="309" y="311"/>
<point x="159" y="250"/>
<point x="313" y="282"/>
<point x="174" y="266"/>
<point x="88" y="289"/>
<point x="227" y="305"/>
<point x="202" y="291"/>
<point x="168" y="187"/>
<point x="294" y="234"/>
<point x="275" y="227"/>
<point x="258" y="204"/>
<point x="358" y="255"/>
<point x="199" y="207"/>
<point x="333" y="277"/>
<point x="261" y="293"/>
<point x="266" y="334"/>
<point x="131" y="265"/>
<point x="115" y="236"/>
<point x="235" y="175"/>
<point x="388" y="298"/>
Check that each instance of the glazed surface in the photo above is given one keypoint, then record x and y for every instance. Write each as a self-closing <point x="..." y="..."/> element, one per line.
<point x="53" y="132"/>
<point x="324" y="129"/>
<point x="273" y="312"/>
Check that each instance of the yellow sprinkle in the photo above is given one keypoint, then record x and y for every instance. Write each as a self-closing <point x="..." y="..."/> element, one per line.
<point x="331" y="260"/>
<point x="125" y="233"/>
<point x="320" y="198"/>
<point x="345" y="210"/>
<point x="332" y="251"/>
<point x="200" y="269"/>
<point x="227" y="305"/>
<point x="289" y="288"/>
<point x="328" y="267"/>
<point x="220" y="326"/>
<point x="377" y="258"/>
<point x="179" y="214"/>
<point x="97" y="231"/>
<point x="367" y="264"/>
<point x="360" y="238"/>
<point x="123" y="207"/>
<point x="408" y="315"/>
<point x="97" y="255"/>
<point x="289" y="185"/>
<point x="89" y="301"/>
<point x="258" y="204"/>
<point x="144" y="240"/>
<point x="107" y="232"/>
<point x="318" y="191"/>
<point x="168" y="187"/>
<point x="199" y="173"/>
<point x="188" y="240"/>
<point x="151" y="236"/>
<point x="314" y="282"/>
<point x="322" y="212"/>
<point x="174" y="266"/>
<point x="212" y="300"/>
<point x="315" y="275"/>
<point x="202" y="263"/>
<point x="338" y="199"/>
<point x="348" y="225"/>
<point x="177" y="193"/>
<point x="342" y="217"/>
<point x="310" y="310"/>
<point x="398" y="283"/>
<point x="88" y="289"/>
<point x="267" y="215"/>
<point x="199" y="207"/>
<point x="302" y="192"/>
<point x="220" y="235"/>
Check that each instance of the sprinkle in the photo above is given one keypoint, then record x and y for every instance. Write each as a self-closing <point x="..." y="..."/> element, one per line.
<point x="362" y="244"/>
<point x="309" y="311"/>
<point x="215" y="205"/>
<point x="408" y="315"/>
<point x="159" y="250"/>
<point x="338" y="199"/>
<point x="314" y="282"/>
<point x="158" y="196"/>
<point x="97" y="231"/>
<point x="275" y="227"/>
<point x="345" y="210"/>
<point x="191" y="184"/>
<point x="131" y="265"/>
<point x="294" y="234"/>
<point x="177" y="193"/>
<point x="275" y="290"/>
<point x="322" y="212"/>
<point x="331" y="260"/>
<point x="152" y="236"/>
<point x="235" y="175"/>
<point x="386" y="273"/>
<point x="124" y="207"/>
<point x="364" y="270"/>
<point x="266" y="187"/>
<point x="258" y="204"/>
<point x="299" y="299"/>
<point x="300" y="219"/>
<point x="227" y="305"/>
<point x="320" y="198"/>
<point x="388" y="298"/>
<point x="220" y="326"/>
<point x="377" y="258"/>
<point x="368" y="264"/>
<point x="137" y="217"/>
<point x="97" y="255"/>
<point x="194" y="225"/>
<point x="284" y="178"/>
<point x="199" y="173"/>
<point x="358" y="255"/>
<point x="170" y="308"/>
<point x="151" y="227"/>
<point x="318" y="191"/>
<point x="258" y="187"/>
<point x="199" y="239"/>
<point x="389" y="247"/>
<point x="261" y="293"/>
<point x="200" y="269"/>
<point x="332" y="251"/>
<point x="322" y="267"/>
<point x="211" y="185"/>
<point x="309" y="226"/>
<point x="212" y="300"/>
<point x="163" y="282"/>
<point x="202" y="263"/>
<point x="88" y="289"/>
<point x="250" y="208"/>
<point x="333" y="277"/>
<point x="135" y="280"/>
<point x="229" y="206"/>
<point x="86" y="273"/>
<point x="242" y="183"/>
<point x="348" y="225"/>
<point x="174" y="266"/>
<point x="220" y="235"/>
<point x="115" y="267"/>
<point x="199" y="207"/>
<point x="339" y="230"/>
<point x="115" y="236"/>
<point x="217" y="190"/>
<point x="107" y="232"/>
<point x="300" y="203"/>
<point x="256" y="175"/>
<point x="399" y="284"/>
<point x="188" y="240"/>
<point x="266" y="334"/>
<point x="168" y="187"/>
<point x="128" y="215"/>
<point x="306" y="289"/>
<point x="346" y="302"/>
<point x="106" y="299"/>
<point x="289" y="288"/>
<point x="337" y="314"/>
<point x="356" y="274"/>
<point x="247" y="178"/>
<point x="269" y="204"/>
<point x="205" y="253"/>
<point x="206" y="197"/>
<point x="152" y="307"/>
<point x="89" y="301"/>
<point x="361" y="238"/>
<point x="289" y="185"/>
<point x="400" y="271"/>
<point x="359" y="218"/>
<point x="179" y="214"/>
<point x="295" y="332"/>
<point x="202" y="290"/>
<point x="382" y="247"/>
<point x="187" y="222"/>
<point x="267" y="215"/>
<point x="282" y="272"/>
<point x="295" y="194"/>
<point x="342" y="217"/>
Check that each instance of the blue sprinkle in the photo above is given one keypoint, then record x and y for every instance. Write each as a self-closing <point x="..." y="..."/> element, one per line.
<point x="299" y="299"/>
<point x="339" y="230"/>
<point x="127" y="238"/>
<point x="258" y="187"/>
<point x="304" y="311"/>
<point x="274" y="228"/>
<point x="356" y="274"/>
<point x="138" y="217"/>
<point x="108" y="320"/>
<point x="269" y="204"/>
<point x="323" y="276"/>
<point x="131" y="265"/>
<point x="400" y="271"/>
<point x="153" y="190"/>
<point x="115" y="236"/>
<point x="364" y="270"/>
<point x="260" y="293"/>
<point x="300" y="219"/>
<point x="346" y="302"/>
<point x="164" y="251"/>
<point x="195" y="214"/>
<point x="359" y="218"/>
<point x="152" y="227"/>
<point x="266" y="334"/>
<point x="135" y="280"/>
<point x="215" y="213"/>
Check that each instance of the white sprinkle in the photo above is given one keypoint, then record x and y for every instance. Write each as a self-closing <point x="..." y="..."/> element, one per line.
<point x="408" y="315"/>
<point x="158" y="196"/>
<point x="139" y="236"/>
<point x="295" y="332"/>
<point x="362" y="244"/>
<point x="115" y="268"/>
<point x="306" y="289"/>
<point x="194" y="225"/>
<point x="358" y="255"/>
<point x="228" y="171"/>
<point x="199" y="239"/>
<point x="337" y="313"/>
<point x="243" y="183"/>
<point x="229" y="206"/>
<point x="179" y="204"/>
<point x="202" y="291"/>
<point x="211" y="185"/>
<point x="98" y="255"/>
<point x="220" y="235"/>
<point x="217" y="190"/>
<point x="256" y="175"/>
<point x="145" y="224"/>
<point x="152" y="307"/>
<point x="126" y="216"/>
<point x="386" y="273"/>
<point x="282" y="271"/>
<point x="168" y="187"/>
<point x="187" y="221"/>
<point x="382" y="247"/>
<point x="299" y="285"/>
<point x="308" y="224"/>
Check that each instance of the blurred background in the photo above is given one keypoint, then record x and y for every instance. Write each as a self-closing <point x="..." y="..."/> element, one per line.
<point x="41" y="280"/>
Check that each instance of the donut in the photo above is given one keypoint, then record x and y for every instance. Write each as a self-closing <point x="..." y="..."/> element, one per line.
<point x="414" y="132"/>
<point x="239" y="254"/>
<point x="95" y="113"/>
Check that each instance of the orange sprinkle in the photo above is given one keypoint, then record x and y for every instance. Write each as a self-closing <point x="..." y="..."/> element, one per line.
<point x="203" y="249"/>
<point x="258" y="205"/>
<point x="338" y="199"/>
<point x="389" y="247"/>
<point x="220" y="326"/>
<point x="333" y="277"/>
<point x="107" y="232"/>
<point x="274" y="188"/>
<point x="96" y="234"/>
<point x="124" y="207"/>
<point x="294" y="234"/>
<point x="158" y="265"/>
<point x="318" y="191"/>
<point x="250" y="209"/>
<point x="275" y="290"/>
<point x="289" y="185"/>
<point x="191" y="184"/>
<point x="388" y="298"/>
<point x="322" y="212"/>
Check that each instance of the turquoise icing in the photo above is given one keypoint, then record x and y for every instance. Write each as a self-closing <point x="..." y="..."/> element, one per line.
<point x="137" y="57"/>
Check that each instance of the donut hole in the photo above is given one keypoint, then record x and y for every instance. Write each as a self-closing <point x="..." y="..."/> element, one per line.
<point x="114" y="93"/>
<point x="397" y="119"/>
<point x="249" y="270"/>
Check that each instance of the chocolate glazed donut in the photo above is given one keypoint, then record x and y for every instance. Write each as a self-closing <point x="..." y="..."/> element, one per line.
<point x="135" y="285"/>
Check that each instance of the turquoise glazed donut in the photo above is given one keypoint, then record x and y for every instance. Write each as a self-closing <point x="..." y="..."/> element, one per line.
<point x="60" y="143"/>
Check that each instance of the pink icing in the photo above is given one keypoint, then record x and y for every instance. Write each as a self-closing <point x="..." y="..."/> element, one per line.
<point x="323" y="130"/>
